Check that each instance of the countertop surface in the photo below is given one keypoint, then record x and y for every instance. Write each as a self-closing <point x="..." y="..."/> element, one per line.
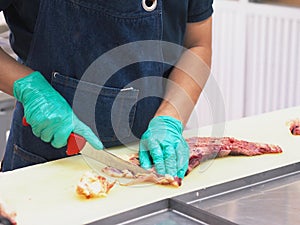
<point x="45" y="193"/>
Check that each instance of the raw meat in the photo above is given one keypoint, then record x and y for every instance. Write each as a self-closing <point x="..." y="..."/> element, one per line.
<point x="8" y="213"/>
<point x="92" y="185"/>
<point x="113" y="172"/>
<point x="140" y="178"/>
<point x="205" y="148"/>
<point x="294" y="126"/>
<point x="201" y="149"/>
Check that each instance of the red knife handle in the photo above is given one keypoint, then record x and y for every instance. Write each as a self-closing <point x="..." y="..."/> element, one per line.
<point x="24" y="122"/>
<point x="75" y="141"/>
<point x="75" y="144"/>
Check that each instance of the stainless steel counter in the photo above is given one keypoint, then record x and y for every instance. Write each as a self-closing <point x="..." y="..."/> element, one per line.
<point x="271" y="197"/>
<point x="276" y="201"/>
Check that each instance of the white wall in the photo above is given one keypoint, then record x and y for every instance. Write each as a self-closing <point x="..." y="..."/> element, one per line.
<point x="256" y="60"/>
<point x="2" y="20"/>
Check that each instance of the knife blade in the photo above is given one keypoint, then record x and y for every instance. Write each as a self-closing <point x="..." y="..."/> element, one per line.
<point x="112" y="160"/>
<point x="76" y="145"/>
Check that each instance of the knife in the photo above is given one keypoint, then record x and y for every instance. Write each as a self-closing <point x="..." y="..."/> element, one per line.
<point x="76" y="145"/>
<point x="112" y="160"/>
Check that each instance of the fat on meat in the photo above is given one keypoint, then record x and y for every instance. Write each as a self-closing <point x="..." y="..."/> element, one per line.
<point x="92" y="185"/>
<point x="294" y="126"/>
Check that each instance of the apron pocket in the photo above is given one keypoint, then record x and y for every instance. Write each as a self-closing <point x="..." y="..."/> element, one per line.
<point x="22" y="158"/>
<point x="108" y="111"/>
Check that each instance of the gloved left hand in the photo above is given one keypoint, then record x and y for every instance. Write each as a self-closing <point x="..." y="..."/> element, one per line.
<point x="164" y="145"/>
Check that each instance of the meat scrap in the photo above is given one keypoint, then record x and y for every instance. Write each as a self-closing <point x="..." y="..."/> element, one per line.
<point x="294" y="126"/>
<point x="140" y="178"/>
<point x="9" y="215"/>
<point x="113" y="172"/>
<point x="92" y="185"/>
<point x="201" y="149"/>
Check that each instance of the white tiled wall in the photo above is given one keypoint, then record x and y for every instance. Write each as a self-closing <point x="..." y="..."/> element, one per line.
<point x="4" y="36"/>
<point x="6" y="102"/>
<point x="255" y="60"/>
<point x="6" y="108"/>
<point x="2" y="20"/>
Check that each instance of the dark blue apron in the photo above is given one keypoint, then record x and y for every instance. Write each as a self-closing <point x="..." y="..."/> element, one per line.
<point x="69" y="36"/>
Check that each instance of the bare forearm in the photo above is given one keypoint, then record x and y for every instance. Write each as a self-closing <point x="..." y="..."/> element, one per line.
<point x="190" y="74"/>
<point x="10" y="70"/>
<point x="186" y="83"/>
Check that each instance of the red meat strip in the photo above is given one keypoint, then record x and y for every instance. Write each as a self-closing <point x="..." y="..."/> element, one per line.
<point x="205" y="148"/>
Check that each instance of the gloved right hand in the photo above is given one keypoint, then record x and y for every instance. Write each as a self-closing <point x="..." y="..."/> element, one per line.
<point x="163" y="144"/>
<point x="50" y="116"/>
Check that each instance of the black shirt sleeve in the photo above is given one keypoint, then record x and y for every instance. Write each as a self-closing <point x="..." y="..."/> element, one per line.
<point x="4" y="4"/>
<point x="199" y="10"/>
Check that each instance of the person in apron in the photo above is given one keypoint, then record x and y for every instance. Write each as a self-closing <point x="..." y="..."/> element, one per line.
<point x="103" y="70"/>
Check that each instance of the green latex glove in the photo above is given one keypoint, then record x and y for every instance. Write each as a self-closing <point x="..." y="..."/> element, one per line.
<point x="164" y="145"/>
<point x="50" y="116"/>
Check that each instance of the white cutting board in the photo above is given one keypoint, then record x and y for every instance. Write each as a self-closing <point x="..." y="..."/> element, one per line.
<point x="45" y="193"/>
